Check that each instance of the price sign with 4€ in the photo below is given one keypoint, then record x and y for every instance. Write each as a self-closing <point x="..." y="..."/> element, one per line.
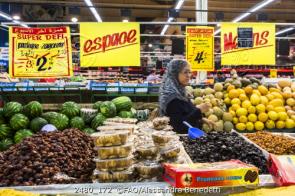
<point x="273" y="73"/>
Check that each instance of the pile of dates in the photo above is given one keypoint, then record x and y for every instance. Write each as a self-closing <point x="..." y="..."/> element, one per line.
<point x="47" y="158"/>
<point x="224" y="146"/>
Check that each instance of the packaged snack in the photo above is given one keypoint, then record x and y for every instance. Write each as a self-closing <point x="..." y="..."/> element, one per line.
<point x="110" y="138"/>
<point x="107" y="176"/>
<point x="160" y="123"/>
<point x="113" y="164"/>
<point x="122" y="127"/>
<point x="147" y="151"/>
<point x="161" y="138"/>
<point x="114" y="151"/>
<point x="170" y="151"/>
<point x="149" y="169"/>
<point x="122" y="120"/>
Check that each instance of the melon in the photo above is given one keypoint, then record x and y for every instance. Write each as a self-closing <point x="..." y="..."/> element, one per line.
<point x="218" y="112"/>
<point x="243" y="119"/>
<point x="70" y="109"/>
<point x="263" y="90"/>
<point x="277" y="103"/>
<point x="198" y="92"/>
<point x="213" y="118"/>
<point x="290" y="124"/>
<point x="246" y="104"/>
<point x="273" y="115"/>
<point x="241" y="112"/>
<point x="227" y="116"/>
<point x="290" y="102"/>
<point x="233" y="94"/>
<point x="284" y="83"/>
<point x="218" y="87"/>
<point x="12" y="108"/>
<point x="37" y="124"/>
<point x="122" y="103"/>
<point x="218" y="126"/>
<point x="262" y="117"/>
<point x="280" y="124"/>
<point x="219" y="95"/>
<point x="259" y="126"/>
<point x="228" y="126"/>
<point x="260" y="108"/>
<point x="241" y="126"/>
<point x="255" y="99"/>
<point x="208" y="91"/>
<point x="19" y="121"/>
<point x="270" y="124"/>
<point x="33" y="109"/>
<point x="252" y="118"/>
<point x="250" y="126"/>
<point x="108" y="109"/>
<point x="207" y="128"/>
<point x="248" y="90"/>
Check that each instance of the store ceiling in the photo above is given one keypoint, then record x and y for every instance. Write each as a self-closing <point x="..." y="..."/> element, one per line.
<point x="278" y="11"/>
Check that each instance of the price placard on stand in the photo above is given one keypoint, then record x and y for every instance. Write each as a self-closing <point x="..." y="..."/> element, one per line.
<point x="40" y="52"/>
<point x="248" y="44"/>
<point x="273" y="73"/>
<point x="109" y="44"/>
<point x="200" y="48"/>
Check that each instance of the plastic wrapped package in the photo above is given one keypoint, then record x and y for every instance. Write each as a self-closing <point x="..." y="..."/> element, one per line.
<point x="161" y="138"/>
<point x="149" y="169"/>
<point x="122" y="120"/>
<point x="160" y="123"/>
<point x="147" y="151"/>
<point x="120" y="176"/>
<point x="122" y="127"/>
<point x="114" y="151"/>
<point x="110" y="138"/>
<point x="114" y="164"/>
<point x="170" y="151"/>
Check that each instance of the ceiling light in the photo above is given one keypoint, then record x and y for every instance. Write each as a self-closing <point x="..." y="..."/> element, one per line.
<point x="125" y="20"/>
<point x="74" y="19"/>
<point x="261" y="5"/>
<point x="6" y="16"/>
<point x="285" y="30"/>
<point x="241" y="17"/>
<point x="16" y="17"/>
<point x="170" y="19"/>
<point x="93" y="10"/>
<point x="150" y="45"/>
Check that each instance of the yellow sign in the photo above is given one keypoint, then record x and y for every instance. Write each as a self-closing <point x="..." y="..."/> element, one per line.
<point x="273" y="73"/>
<point x="109" y="44"/>
<point x="261" y="51"/>
<point x="294" y="70"/>
<point x="40" y="52"/>
<point x="200" y="48"/>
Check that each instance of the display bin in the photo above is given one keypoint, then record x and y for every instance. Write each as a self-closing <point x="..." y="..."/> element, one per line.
<point x="8" y="86"/>
<point x="98" y="86"/>
<point x="127" y="88"/>
<point x="113" y="87"/>
<point x="154" y="88"/>
<point x="144" y="90"/>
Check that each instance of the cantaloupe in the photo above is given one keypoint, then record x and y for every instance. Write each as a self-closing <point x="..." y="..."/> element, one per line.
<point x="218" y="126"/>
<point x="218" y="87"/>
<point x="227" y="116"/>
<point x="284" y="83"/>
<point x="263" y="90"/>
<point x="213" y="118"/>
<point x="228" y="126"/>
<point x="255" y="99"/>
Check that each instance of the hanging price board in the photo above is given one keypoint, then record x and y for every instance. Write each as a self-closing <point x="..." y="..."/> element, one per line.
<point x="200" y="48"/>
<point x="40" y="52"/>
<point x="273" y="73"/>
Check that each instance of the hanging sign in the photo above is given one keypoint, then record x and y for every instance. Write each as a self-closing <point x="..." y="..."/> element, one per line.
<point x="200" y="48"/>
<point x="4" y="56"/>
<point x="109" y="44"/>
<point x="248" y="44"/>
<point x="273" y="73"/>
<point x="40" y="52"/>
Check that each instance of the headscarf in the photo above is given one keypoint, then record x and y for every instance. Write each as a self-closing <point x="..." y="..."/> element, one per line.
<point x="171" y="88"/>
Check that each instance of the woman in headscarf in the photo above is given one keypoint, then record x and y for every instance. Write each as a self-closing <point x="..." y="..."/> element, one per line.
<point x="175" y="102"/>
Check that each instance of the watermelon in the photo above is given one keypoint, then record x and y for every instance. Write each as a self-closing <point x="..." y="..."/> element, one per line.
<point x="88" y="130"/>
<point x="49" y="115"/>
<point x="125" y="114"/>
<point x="133" y="111"/>
<point x="33" y="109"/>
<point x="5" y="131"/>
<point x="60" y="121"/>
<point x="88" y="114"/>
<point x="97" y="121"/>
<point x="70" y="109"/>
<point x="108" y="109"/>
<point x="96" y="105"/>
<point x="19" y="121"/>
<point x="12" y="108"/>
<point x="5" y="144"/>
<point x="37" y="124"/>
<point x="122" y="103"/>
<point x="77" y="122"/>
<point x="22" y="134"/>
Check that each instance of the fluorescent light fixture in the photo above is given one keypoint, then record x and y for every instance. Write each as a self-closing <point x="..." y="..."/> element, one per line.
<point x="6" y="16"/>
<point x="241" y="17"/>
<point x="125" y="20"/>
<point x="150" y="45"/>
<point x="16" y="17"/>
<point x="261" y="5"/>
<point x="249" y="12"/>
<point x="170" y="19"/>
<point x="74" y="19"/>
<point x="93" y="10"/>
<point x="179" y="4"/>
<point x="285" y="30"/>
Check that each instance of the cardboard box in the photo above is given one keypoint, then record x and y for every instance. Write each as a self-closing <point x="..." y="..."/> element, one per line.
<point x="282" y="169"/>
<point x="227" y="173"/>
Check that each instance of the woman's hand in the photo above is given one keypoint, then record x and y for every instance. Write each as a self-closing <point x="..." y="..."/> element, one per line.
<point x="204" y="107"/>
<point x="209" y="122"/>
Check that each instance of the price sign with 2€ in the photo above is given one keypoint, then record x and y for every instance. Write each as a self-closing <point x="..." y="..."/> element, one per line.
<point x="40" y="52"/>
<point x="200" y="48"/>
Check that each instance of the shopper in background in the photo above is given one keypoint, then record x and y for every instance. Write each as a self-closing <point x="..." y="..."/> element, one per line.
<point x="219" y="77"/>
<point x="153" y="77"/>
<point x="174" y="101"/>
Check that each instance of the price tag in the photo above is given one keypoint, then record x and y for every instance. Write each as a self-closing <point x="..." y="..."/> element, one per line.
<point x="273" y="73"/>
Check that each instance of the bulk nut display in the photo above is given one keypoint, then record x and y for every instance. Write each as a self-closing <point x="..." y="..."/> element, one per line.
<point x="110" y="138"/>
<point x="39" y="159"/>
<point x="276" y="144"/>
<point x="122" y="176"/>
<point x="149" y="169"/>
<point x="114" y="151"/>
<point x="160" y="123"/>
<point x="113" y="164"/>
<point x="224" y="146"/>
